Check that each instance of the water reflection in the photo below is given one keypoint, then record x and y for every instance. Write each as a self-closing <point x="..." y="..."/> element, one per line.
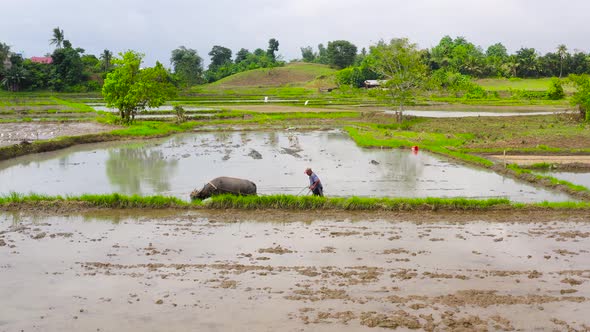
<point x="273" y="139"/>
<point x="274" y="161"/>
<point x="130" y="169"/>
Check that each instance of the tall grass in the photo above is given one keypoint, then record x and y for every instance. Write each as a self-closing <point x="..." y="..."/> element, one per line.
<point x="284" y="202"/>
<point x="562" y="205"/>
<point x="351" y="203"/>
<point x="114" y="201"/>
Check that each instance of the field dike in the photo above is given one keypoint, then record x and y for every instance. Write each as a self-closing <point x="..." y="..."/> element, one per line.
<point x="135" y="132"/>
<point x="25" y="148"/>
<point x="576" y="191"/>
<point x="38" y="202"/>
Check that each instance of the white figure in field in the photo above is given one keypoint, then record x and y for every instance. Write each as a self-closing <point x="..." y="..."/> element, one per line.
<point x="306" y="102"/>
<point x="266" y="99"/>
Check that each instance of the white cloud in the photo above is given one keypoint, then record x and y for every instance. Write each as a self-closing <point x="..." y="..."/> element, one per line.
<point x="155" y="27"/>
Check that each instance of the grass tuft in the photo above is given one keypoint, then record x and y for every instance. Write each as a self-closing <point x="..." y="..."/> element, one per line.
<point x="114" y="201"/>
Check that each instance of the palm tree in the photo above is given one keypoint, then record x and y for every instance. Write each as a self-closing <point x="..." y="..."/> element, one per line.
<point x="562" y="51"/>
<point x="58" y="38"/>
<point x="13" y="78"/>
<point x="106" y="57"/>
<point x="4" y="54"/>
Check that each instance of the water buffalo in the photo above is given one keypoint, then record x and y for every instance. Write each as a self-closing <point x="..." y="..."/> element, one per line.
<point x="225" y="185"/>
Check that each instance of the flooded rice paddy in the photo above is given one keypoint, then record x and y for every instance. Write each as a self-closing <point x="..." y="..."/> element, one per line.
<point x="579" y="178"/>
<point x="275" y="161"/>
<point x="210" y="271"/>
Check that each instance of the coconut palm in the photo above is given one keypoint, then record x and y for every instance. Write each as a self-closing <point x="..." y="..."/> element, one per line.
<point x="106" y="57"/>
<point x="562" y="51"/>
<point x="58" y="38"/>
<point x="13" y="78"/>
<point x="4" y="54"/>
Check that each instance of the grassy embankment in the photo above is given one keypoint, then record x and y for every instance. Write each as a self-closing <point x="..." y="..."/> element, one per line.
<point x="471" y="139"/>
<point x="288" y="202"/>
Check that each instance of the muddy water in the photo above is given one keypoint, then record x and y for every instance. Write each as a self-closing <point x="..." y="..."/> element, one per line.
<point x="275" y="161"/>
<point x="194" y="272"/>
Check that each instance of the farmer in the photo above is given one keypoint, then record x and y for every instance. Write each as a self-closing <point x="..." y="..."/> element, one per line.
<point x="315" y="185"/>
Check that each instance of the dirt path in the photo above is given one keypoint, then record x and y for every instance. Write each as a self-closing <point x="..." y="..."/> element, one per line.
<point x="215" y="271"/>
<point x="14" y="133"/>
<point x="529" y="160"/>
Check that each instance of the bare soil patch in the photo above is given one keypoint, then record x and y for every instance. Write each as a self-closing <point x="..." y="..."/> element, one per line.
<point x="537" y="159"/>
<point x="199" y="266"/>
<point x="562" y="142"/>
<point x="15" y="133"/>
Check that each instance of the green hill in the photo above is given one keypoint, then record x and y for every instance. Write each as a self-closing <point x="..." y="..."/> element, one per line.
<point x="294" y="74"/>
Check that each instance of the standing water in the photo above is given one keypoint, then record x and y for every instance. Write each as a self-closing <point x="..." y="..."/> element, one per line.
<point x="578" y="178"/>
<point x="275" y="161"/>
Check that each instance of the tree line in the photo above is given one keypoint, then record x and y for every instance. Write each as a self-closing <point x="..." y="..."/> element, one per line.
<point x="457" y="56"/>
<point x="72" y="70"/>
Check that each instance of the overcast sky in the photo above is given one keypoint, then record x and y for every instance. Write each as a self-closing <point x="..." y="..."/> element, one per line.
<point x="156" y="27"/>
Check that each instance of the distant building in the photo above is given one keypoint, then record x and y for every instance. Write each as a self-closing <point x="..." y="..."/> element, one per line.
<point x="42" y="59"/>
<point x="373" y="83"/>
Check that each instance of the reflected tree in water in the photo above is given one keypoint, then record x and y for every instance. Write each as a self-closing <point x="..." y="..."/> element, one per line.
<point x="244" y="138"/>
<point x="131" y="169"/>
<point x="405" y="169"/>
<point x="273" y="139"/>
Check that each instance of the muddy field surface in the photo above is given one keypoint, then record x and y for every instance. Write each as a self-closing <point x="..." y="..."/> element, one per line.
<point x="14" y="133"/>
<point x="534" y="159"/>
<point x="294" y="272"/>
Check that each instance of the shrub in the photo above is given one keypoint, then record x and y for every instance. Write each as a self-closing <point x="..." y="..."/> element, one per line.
<point x="526" y="94"/>
<point x="581" y="98"/>
<point x="555" y="91"/>
<point x="475" y="92"/>
<point x="180" y="114"/>
<point x="352" y="76"/>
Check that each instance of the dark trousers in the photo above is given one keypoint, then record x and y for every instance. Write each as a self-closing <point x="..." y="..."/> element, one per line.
<point x="318" y="191"/>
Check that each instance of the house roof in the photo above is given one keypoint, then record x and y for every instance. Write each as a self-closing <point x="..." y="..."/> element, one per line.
<point x="42" y="59"/>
